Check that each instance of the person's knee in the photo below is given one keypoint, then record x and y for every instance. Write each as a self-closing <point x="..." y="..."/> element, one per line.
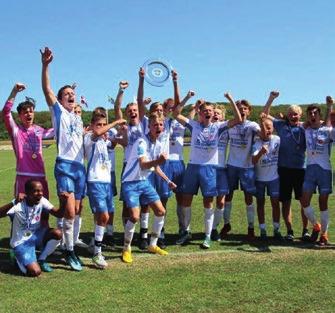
<point x="57" y="234"/>
<point x="34" y="271"/>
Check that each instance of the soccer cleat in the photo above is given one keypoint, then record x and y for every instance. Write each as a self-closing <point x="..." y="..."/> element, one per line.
<point x="161" y="243"/>
<point x="184" y="238"/>
<point x="157" y="250"/>
<point x="81" y="244"/>
<point x="215" y="235"/>
<point x="79" y="260"/>
<point x="99" y="261"/>
<point x="207" y="243"/>
<point x="277" y="235"/>
<point x="305" y="236"/>
<point x="315" y="232"/>
<point x="323" y="240"/>
<point x="45" y="267"/>
<point x="225" y="230"/>
<point x="251" y="234"/>
<point x="72" y="260"/>
<point x="290" y="235"/>
<point x="143" y="244"/>
<point x="127" y="257"/>
<point x="263" y="236"/>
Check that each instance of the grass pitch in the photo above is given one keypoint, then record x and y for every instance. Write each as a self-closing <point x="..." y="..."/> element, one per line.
<point x="233" y="276"/>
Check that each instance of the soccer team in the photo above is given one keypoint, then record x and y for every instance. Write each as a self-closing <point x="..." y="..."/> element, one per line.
<point x="257" y="160"/>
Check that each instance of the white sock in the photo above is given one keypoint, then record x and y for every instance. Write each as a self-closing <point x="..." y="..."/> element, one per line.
<point x="60" y="222"/>
<point x="218" y="215"/>
<point x="227" y="212"/>
<point x="129" y="230"/>
<point x="50" y="247"/>
<point x="250" y="215"/>
<point x="76" y="227"/>
<point x="68" y="233"/>
<point x="276" y="226"/>
<point x="309" y="213"/>
<point x="187" y="218"/>
<point x="110" y="229"/>
<point x="98" y="237"/>
<point x="324" y="216"/>
<point x="208" y="220"/>
<point x="180" y="216"/>
<point x="262" y="226"/>
<point x="144" y="222"/>
<point x="156" y="229"/>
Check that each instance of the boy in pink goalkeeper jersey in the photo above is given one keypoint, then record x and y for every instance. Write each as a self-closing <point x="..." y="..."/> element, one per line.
<point x="26" y="140"/>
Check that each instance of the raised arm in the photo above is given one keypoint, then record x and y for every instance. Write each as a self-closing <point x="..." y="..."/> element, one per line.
<point x="195" y="108"/>
<point x="119" y="97"/>
<point x="140" y="94"/>
<point x="6" y="111"/>
<point x="273" y="95"/>
<point x="175" y="87"/>
<point x="237" y="115"/>
<point x="329" y="102"/>
<point x="47" y="57"/>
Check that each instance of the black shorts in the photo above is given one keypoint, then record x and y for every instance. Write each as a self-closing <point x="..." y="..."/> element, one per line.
<point x="290" y="179"/>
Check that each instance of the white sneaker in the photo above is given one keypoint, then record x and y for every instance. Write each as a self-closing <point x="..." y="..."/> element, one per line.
<point x="81" y="244"/>
<point x="99" y="261"/>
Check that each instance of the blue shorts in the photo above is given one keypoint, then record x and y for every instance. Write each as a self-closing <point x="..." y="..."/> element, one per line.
<point x="177" y="171"/>
<point x="222" y="181"/>
<point x="113" y="183"/>
<point x="203" y="176"/>
<point x="159" y="183"/>
<point x="25" y="253"/>
<point x="246" y="177"/>
<point x="70" y="177"/>
<point x="316" y="176"/>
<point x="138" y="193"/>
<point x="272" y="188"/>
<point x="100" y="197"/>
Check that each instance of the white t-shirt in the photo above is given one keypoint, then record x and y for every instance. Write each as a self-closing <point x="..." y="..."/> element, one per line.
<point x="111" y="151"/>
<point x="26" y="220"/>
<point x="176" y="141"/>
<point x="134" y="132"/>
<point x="222" y="149"/>
<point x="240" y="143"/>
<point x="98" y="162"/>
<point x="69" y="133"/>
<point x="267" y="166"/>
<point x="142" y="147"/>
<point x="318" y="144"/>
<point x="204" y="141"/>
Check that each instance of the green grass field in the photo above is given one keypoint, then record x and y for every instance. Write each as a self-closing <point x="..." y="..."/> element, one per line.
<point x="233" y="276"/>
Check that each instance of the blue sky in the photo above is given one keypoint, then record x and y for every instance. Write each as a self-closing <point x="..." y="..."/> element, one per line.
<point x="242" y="46"/>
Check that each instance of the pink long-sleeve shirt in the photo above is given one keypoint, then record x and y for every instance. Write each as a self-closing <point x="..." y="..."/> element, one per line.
<point x="27" y="144"/>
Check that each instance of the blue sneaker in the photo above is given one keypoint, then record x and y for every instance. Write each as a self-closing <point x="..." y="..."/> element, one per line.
<point x="72" y="260"/>
<point x="45" y="267"/>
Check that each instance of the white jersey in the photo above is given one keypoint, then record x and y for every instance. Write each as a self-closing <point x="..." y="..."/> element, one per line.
<point x="240" y="143"/>
<point x="164" y="137"/>
<point x="134" y="132"/>
<point x="69" y="133"/>
<point x="26" y="220"/>
<point x="176" y="140"/>
<point x="142" y="147"/>
<point x="204" y="141"/>
<point x="222" y="149"/>
<point x="111" y="151"/>
<point x="98" y="163"/>
<point x="267" y="166"/>
<point x="318" y="144"/>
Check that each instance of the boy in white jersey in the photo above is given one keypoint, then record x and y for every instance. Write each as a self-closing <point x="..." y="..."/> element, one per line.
<point x="69" y="167"/>
<point x="240" y="167"/>
<point x="318" y="171"/>
<point x="201" y="170"/>
<point x="145" y="156"/>
<point x="30" y="231"/>
<point x="99" y="188"/>
<point x="265" y="152"/>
